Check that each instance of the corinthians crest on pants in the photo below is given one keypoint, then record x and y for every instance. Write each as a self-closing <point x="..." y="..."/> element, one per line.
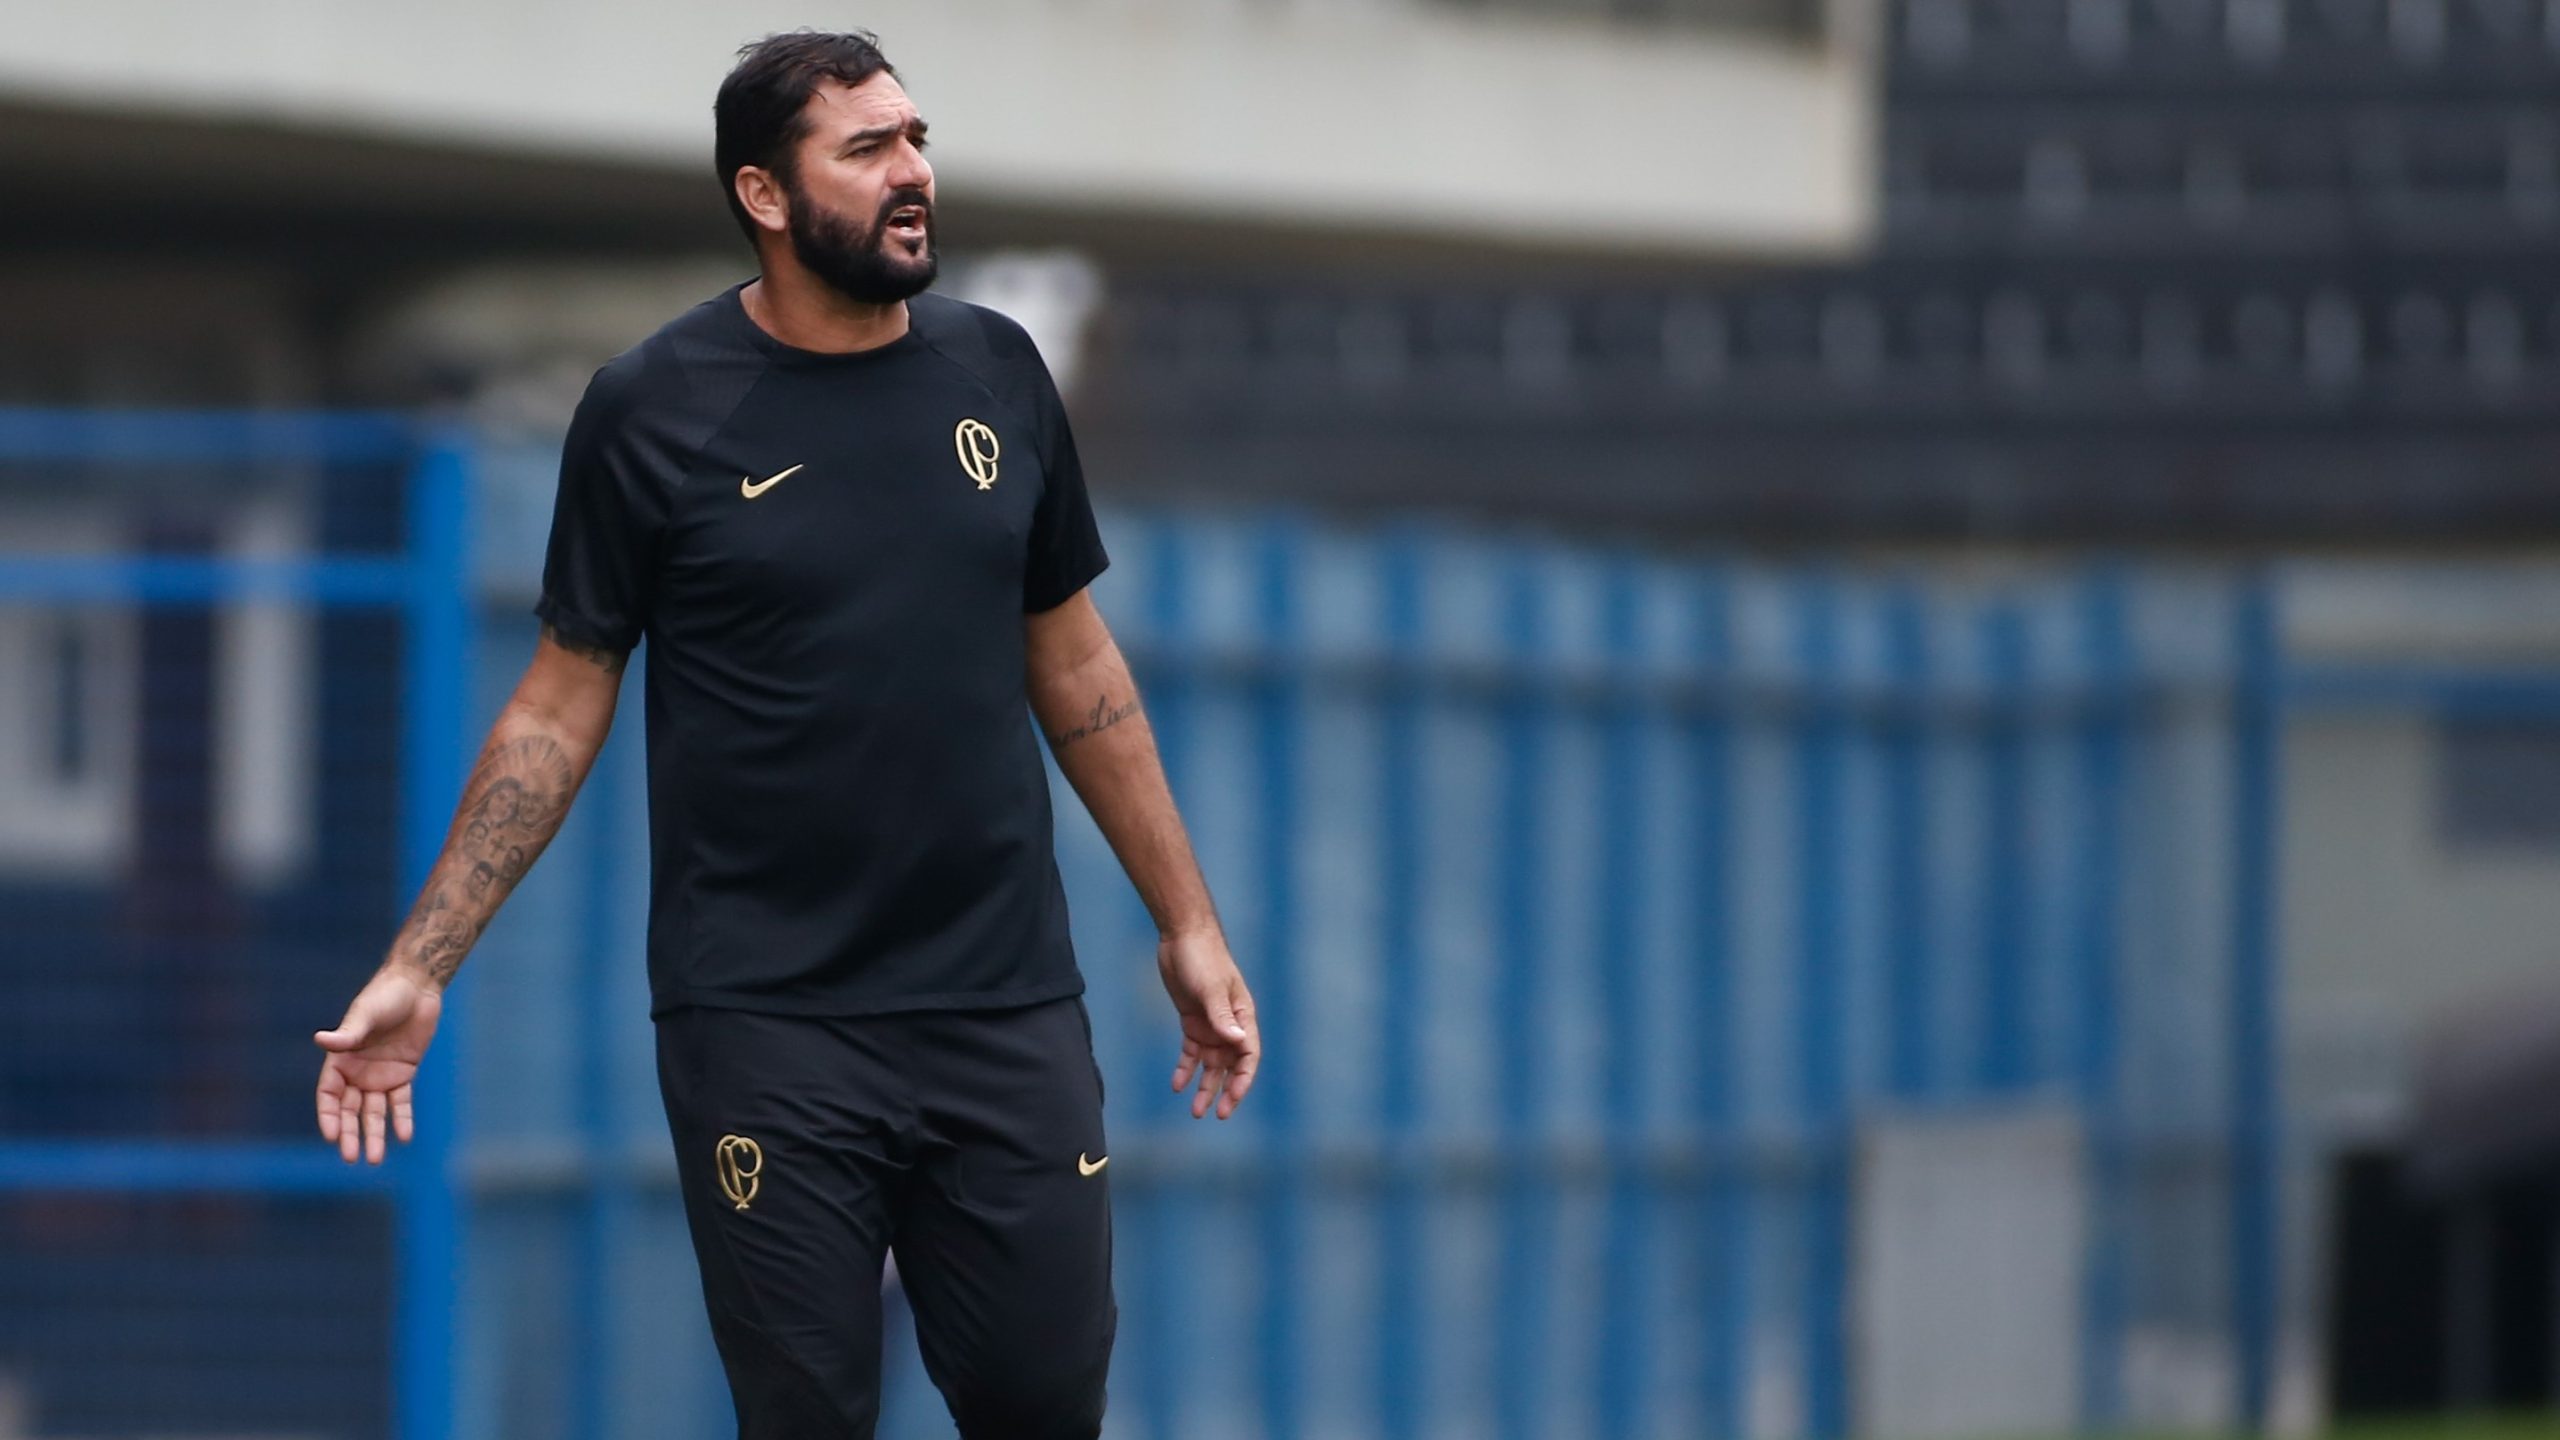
<point x="741" y="1161"/>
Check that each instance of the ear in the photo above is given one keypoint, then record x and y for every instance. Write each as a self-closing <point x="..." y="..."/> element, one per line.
<point x="763" y="195"/>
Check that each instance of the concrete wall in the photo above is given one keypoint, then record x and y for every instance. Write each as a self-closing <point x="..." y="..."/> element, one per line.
<point x="2389" y="923"/>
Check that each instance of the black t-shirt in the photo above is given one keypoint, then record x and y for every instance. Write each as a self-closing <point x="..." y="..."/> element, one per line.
<point x="831" y="557"/>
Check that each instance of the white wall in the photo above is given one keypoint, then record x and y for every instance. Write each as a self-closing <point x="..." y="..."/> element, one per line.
<point x="1359" y="114"/>
<point x="2387" y="926"/>
<point x="2388" y="929"/>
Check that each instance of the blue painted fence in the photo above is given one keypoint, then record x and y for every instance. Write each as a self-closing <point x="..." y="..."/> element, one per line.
<point x="1592" y="900"/>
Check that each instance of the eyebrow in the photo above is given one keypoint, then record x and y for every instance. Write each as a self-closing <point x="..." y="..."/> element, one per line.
<point x="915" y="127"/>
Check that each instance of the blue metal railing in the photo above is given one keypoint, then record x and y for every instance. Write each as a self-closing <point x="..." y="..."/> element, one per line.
<point x="1859" y="739"/>
<point x="1800" y="810"/>
<point x="433" y="763"/>
<point x="423" y="585"/>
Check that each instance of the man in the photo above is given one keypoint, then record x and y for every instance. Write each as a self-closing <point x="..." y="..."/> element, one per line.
<point x="849" y="518"/>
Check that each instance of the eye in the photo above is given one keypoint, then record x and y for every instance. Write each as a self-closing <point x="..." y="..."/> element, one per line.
<point x="871" y="149"/>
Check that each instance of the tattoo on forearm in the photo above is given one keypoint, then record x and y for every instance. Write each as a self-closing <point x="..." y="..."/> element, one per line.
<point x="1096" y="720"/>
<point x="609" y="660"/>
<point x="513" y="805"/>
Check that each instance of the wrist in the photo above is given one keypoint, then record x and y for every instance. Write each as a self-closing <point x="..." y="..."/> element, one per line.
<point x="415" y="973"/>
<point x="1203" y="928"/>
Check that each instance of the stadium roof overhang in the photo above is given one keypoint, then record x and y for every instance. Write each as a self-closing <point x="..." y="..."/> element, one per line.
<point x="1403" y="127"/>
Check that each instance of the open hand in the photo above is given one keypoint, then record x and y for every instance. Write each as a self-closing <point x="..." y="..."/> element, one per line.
<point x="1221" y="1043"/>
<point x="366" y="1083"/>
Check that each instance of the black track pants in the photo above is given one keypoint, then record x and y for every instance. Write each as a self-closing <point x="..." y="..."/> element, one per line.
<point x="968" y="1141"/>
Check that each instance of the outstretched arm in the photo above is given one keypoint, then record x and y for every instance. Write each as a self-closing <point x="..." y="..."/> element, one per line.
<point x="538" y="752"/>
<point x="1087" y="704"/>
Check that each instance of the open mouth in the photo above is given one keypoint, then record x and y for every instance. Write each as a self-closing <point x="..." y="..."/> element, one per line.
<point x="907" y="222"/>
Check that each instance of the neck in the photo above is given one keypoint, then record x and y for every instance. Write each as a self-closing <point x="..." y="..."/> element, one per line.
<point x="804" y="312"/>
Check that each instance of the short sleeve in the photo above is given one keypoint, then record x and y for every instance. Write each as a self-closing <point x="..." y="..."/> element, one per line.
<point x="599" y="573"/>
<point x="1066" y="544"/>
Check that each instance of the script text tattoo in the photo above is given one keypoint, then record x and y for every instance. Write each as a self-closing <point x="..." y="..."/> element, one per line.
<point x="1096" y="720"/>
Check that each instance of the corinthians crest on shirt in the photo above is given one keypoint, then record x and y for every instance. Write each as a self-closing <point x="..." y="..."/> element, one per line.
<point x="979" y="451"/>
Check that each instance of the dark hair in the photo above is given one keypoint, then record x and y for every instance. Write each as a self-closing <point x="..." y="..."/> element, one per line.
<point x="760" y="116"/>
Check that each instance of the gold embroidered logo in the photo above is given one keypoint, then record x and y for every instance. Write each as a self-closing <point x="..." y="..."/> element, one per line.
<point x="976" y="442"/>
<point x="753" y="488"/>
<point x="1090" y="1167"/>
<point x="741" y="1161"/>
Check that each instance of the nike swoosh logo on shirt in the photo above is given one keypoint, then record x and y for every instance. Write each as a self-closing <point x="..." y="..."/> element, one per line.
<point x="1088" y="1167"/>
<point x="753" y="488"/>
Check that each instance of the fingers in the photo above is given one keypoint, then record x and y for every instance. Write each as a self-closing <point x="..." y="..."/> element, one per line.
<point x="1204" y="1063"/>
<point x="1220" y="1074"/>
<point x="331" y="1083"/>
<point x="350" y="1124"/>
<point x="362" y="1123"/>
<point x="1239" y="1080"/>
<point x="1213" y="1074"/>
<point x="1247" y="1058"/>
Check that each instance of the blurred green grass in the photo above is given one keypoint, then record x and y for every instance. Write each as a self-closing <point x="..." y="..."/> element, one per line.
<point x="2528" y="1426"/>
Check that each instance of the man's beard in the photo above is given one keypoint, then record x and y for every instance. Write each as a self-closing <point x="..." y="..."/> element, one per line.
<point x="858" y="262"/>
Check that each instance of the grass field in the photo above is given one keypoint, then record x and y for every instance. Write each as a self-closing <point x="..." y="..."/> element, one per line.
<point x="2544" y="1425"/>
<point x="2532" y="1426"/>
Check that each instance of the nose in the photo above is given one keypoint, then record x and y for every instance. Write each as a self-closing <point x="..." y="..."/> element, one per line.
<point x="912" y="171"/>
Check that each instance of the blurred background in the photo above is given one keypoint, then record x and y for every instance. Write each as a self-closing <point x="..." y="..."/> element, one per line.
<point x="1872" y="685"/>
